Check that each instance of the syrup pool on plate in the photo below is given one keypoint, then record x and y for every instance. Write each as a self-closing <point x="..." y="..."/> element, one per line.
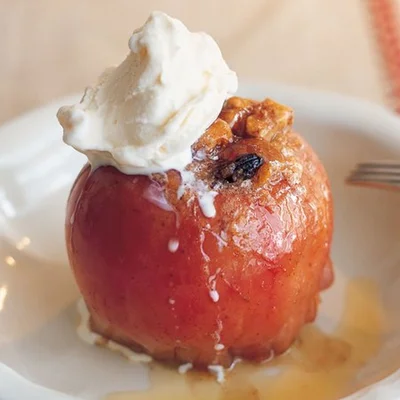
<point x="320" y="366"/>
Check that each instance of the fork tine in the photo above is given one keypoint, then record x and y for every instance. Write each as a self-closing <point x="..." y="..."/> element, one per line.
<point x="379" y="165"/>
<point x="376" y="185"/>
<point x="366" y="178"/>
<point x="377" y="169"/>
<point x="378" y="182"/>
<point x="377" y="173"/>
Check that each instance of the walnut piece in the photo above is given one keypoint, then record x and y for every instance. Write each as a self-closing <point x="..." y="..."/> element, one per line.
<point x="218" y="134"/>
<point x="252" y="119"/>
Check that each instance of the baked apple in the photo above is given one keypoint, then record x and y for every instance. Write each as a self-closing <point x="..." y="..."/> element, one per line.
<point x="224" y="259"/>
<point x="200" y="230"/>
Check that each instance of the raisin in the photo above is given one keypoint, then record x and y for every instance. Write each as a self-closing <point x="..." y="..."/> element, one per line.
<point x="243" y="167"/>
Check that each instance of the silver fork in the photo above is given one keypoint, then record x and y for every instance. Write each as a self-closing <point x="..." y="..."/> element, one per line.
<point x="376" y="174"/>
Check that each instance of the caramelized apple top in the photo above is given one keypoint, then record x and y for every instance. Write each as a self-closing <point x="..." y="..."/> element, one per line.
<point x="248" y="147"/>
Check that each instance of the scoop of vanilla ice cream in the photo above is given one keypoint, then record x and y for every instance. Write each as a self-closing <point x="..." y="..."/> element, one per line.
<point x="143" y="116"/>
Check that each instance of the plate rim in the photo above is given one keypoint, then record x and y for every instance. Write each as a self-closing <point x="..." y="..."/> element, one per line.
<point x="373" y="119"/>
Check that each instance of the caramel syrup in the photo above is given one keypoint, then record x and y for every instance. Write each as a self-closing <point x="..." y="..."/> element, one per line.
<point x="319" y="366"/>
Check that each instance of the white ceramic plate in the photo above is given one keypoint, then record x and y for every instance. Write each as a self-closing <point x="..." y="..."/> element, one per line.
<point x="38" y="294"/>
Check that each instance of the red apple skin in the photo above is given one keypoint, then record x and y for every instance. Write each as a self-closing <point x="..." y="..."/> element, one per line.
<point x="266" y="250"/>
